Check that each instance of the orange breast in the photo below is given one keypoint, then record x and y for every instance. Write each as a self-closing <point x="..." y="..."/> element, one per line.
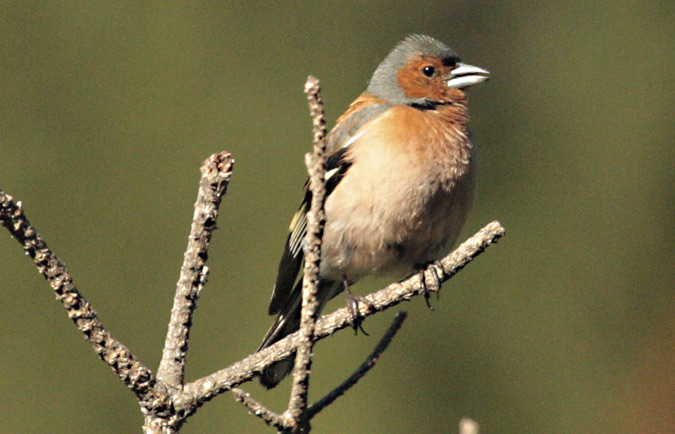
<point x="405" y="197"/>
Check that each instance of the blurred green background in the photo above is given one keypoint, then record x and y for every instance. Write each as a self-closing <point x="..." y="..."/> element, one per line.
<point x="107" y="110"/>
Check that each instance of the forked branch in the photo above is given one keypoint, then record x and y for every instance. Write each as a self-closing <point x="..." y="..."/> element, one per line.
<point x="165" y="399"/>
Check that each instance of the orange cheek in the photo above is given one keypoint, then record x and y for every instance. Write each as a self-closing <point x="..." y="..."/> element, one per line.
<point x="412" y="84"/>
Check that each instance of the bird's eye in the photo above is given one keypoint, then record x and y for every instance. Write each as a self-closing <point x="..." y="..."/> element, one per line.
<point x="428" y="71"/>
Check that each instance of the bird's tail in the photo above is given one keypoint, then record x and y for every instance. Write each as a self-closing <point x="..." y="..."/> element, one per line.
<point x="288" y="322"/>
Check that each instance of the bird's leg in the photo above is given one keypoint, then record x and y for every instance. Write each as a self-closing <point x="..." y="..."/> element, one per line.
<point x="353" y="306"/>
<point x="437" y="283"/>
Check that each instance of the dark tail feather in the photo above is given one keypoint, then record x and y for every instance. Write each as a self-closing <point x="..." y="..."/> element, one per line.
<point x="288" y="322"/>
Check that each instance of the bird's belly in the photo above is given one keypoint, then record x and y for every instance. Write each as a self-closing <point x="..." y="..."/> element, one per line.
<point x="394" y="227"/>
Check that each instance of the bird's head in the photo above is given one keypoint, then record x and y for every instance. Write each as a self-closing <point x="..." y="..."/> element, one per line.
<point x="421" y="71"/>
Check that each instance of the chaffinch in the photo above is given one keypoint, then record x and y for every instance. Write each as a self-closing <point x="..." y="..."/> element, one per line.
<point x="400" y="181"/>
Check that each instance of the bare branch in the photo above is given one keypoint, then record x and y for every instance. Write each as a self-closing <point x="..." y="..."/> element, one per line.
<point x="170" y="410"/>
<point x="362" y="370"/>
<point x="316" y="218"/>
<point x="129" y="369"/>
<point x="269" y="417"/>
<point x="216" y="173"/>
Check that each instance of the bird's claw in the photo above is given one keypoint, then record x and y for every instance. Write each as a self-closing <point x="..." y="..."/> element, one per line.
<point x="353" y="308"/>
<point x="426" y="288"/>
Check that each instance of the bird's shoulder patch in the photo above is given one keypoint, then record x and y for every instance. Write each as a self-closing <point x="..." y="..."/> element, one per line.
<point x="364" y="109"/>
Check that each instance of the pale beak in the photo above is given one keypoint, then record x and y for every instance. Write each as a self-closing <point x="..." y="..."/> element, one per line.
<point x="467" y="75"/>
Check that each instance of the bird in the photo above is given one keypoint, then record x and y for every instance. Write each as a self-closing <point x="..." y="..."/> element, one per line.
<point x="400" y="182"/>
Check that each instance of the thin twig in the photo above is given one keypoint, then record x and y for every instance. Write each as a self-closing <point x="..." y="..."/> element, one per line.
<point x="316" y="166"/>
<point x="256" y="408"/>
<point x="362" y="370"/>
<point x="216" y="173"/>
<point x="129" y="369"/>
